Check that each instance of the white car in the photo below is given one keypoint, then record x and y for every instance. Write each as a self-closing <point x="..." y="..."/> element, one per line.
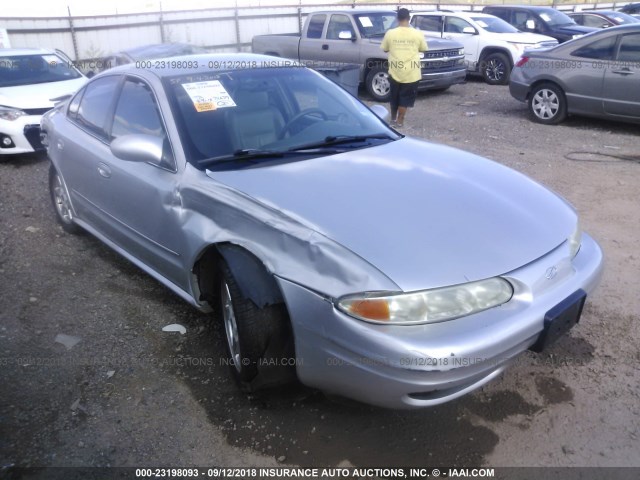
<point x="491" y="45"/>
<point x="30" y="82"/>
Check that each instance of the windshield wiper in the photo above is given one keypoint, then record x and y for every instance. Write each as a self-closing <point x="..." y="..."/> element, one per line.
<point x="251" y="154"/>
<point x="339" y="139"/>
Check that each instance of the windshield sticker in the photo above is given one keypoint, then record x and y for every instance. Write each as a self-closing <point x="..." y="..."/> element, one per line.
<point x="365" y="22"/>
<point x="545" y="17"/>
<point x="209" y="95"/>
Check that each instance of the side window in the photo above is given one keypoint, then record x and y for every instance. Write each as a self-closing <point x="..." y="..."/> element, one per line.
<point x="455" y="25"/>
<point x="578" y="18"/>
<point x="429" y="23"/>
<point x="72" y="111"/>
<point x="600" y="50"/>
<point x="137" y="113"/>
<point x="520" y="20"/>
<point x="630" y="48"/>
<point x="96" y="103"/>
<point x="316" y="24"/>
<point x="594" y="21"/>
<point x="337" y="24"/>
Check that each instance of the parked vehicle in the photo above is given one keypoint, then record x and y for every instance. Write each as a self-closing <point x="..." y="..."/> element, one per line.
<point x="543" y="20"/>
<point x="596" y="75"/>
<point x="386" y="269"/>
<point x="146" y="52"/>
<point x="631" y="8"/>
<point x="491" y="45"/>
<point x="354" y="36"/>
<point x="602" y="18"/>
<point x="31" y="80"/>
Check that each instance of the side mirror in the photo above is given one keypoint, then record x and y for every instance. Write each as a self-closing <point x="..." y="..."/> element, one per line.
<point x="530" y="24"/>
<point x="345" y="35"/>
<point x="381" y="112"/>
<point x="138" y="148"/>
<point x="469" y="30"/>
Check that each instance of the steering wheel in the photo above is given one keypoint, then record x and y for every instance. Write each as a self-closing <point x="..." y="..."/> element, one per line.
<point x="298" y="116"/>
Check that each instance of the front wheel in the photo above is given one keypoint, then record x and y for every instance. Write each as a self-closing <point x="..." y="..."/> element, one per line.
<point x="61" y="202"/>
<point x="495" y="69"/>
<point x="259" y="340"/>
<point x="548" y="104"/>
<point x="378" y="85"/>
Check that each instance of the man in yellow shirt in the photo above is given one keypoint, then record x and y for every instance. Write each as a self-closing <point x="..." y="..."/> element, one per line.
<point x="403" y="44"/>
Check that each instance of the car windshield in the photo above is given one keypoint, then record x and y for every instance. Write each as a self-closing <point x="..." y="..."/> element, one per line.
<point x="19" y="70"/>
<point x="263" y="111"/>
<point x="554" y="18"/>
<point x="619" y="17"/>
<point x="494" y="25"/>
<point x="375" y="24"/>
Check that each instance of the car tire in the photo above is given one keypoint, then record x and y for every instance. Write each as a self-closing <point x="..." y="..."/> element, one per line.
<point x="257" y="339"/>
<point x="495" y="69"/>
<point x="548" y="104"/>
<point x="61" y="203"/>
<point x="378" y="85"/>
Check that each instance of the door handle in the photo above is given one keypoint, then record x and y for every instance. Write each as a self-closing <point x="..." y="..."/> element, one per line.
<point x="104" y="170"/>
<point x="325" y="47"/>
<point x="624" y="71"/>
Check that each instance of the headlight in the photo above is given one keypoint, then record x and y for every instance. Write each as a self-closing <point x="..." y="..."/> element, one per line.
<point x="574" y="240"/>
<point x="11" y="114"/>
<point x="461" y="51"/>
<point x="427" y="306"/>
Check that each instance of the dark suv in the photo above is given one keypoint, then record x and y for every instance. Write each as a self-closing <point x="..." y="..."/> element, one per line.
<point x="543" y="20"/>
<point x="631" y="8"/>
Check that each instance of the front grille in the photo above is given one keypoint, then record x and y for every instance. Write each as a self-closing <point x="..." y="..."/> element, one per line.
<point x="36" y="111"/>
<point x="439" y="65"/>
<point x="32" y="134"/>
<point x="441" y="53"/>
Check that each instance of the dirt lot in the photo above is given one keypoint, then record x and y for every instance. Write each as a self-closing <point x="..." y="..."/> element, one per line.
<point x="126" y="394"/>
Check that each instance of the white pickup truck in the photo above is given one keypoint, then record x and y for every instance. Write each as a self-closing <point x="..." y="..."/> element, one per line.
<point x="491" y="45"/>
<point x="354" y="37"/>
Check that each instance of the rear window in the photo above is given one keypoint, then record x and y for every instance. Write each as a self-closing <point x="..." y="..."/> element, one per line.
<point x="600" y="50"/>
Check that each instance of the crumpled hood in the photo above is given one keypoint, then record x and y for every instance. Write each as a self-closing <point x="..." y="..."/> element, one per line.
<point x="38" y="95"/>
<point x="426" y="215"/>
<point x="433" y="43"/>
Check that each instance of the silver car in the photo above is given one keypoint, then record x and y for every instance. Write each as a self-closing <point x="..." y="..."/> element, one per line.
<point x="333" y="249"/>
<point x="597" y="75"/>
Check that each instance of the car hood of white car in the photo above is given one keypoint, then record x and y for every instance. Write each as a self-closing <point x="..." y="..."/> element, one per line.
<point x="38" y="95"/>
<point x="425" y="215"/>
<point x="525" y="37"/>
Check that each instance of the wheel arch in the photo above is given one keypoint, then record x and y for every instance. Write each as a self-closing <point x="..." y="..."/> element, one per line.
<point x="486" y="51"/>
<point x="253" y="277"/>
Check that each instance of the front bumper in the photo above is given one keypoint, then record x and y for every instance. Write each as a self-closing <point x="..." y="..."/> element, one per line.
<point x="425" y="365"/>
<point x="24" y="133"/>
<point x="436" y="80"/>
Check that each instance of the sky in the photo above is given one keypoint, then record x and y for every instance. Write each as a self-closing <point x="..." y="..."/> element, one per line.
<point x="49" y="8"/>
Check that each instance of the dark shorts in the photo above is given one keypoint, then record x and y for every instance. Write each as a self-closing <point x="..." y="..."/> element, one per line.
<point x="403" y="94"/>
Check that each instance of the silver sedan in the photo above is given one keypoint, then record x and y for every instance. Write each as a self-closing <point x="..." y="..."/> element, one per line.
<point x="597" y="75"/>
<point x="333" y="249"/>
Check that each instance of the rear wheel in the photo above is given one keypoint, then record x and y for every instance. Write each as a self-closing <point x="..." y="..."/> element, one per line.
<point x="548" y="104"/>
<point x="378" y="85"/>
<point x="258" y="340"/>
<point x="61" y="202"/>
<point x="495" y="69"/>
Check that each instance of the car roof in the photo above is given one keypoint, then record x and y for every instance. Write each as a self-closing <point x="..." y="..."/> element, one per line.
<point x="10" y="52"/>
<point x="354" y="10"/>
<point x="207" y="62"/>
<point x="536" y="8"/>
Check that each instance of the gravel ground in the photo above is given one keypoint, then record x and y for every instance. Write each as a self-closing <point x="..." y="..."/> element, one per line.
<point x="123" y="393"/>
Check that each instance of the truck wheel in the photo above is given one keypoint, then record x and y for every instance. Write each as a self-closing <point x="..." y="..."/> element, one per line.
<point x="259" y="340"/>
<point x="377" y="83"/>
<point x="495" y="69"/>
<point x="548" y="104"/>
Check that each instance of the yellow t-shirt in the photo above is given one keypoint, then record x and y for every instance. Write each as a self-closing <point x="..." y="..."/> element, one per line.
<point x="404" y="45"/>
